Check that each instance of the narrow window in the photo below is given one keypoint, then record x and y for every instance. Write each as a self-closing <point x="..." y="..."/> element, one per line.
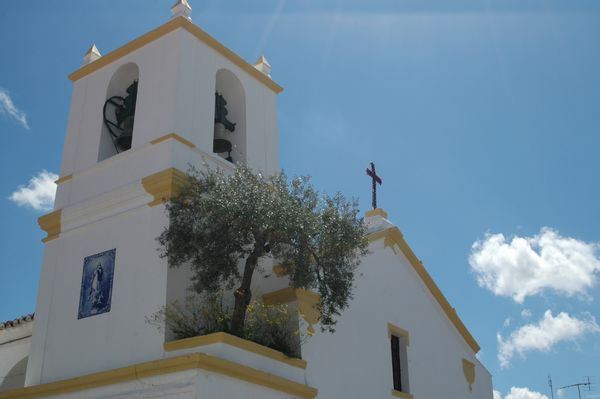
<point x="396" y="363"/>
<point x="399" y="341"/>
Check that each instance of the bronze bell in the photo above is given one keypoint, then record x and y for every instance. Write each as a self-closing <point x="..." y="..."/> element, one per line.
<point x="222" y="145"/>
<point x="125" y="138"/>
<point x="119" y="115"/>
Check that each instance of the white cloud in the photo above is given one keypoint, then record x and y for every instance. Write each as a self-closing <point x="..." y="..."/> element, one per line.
<point x="524" y="393"/>
<point x="526" y="313"/>
<point x="526" y="266"/>
<point x="39" y="192"/>
<point x="542" y="336"/>
<point x="507" y="322"/>
<point x="7" y="107"/>
<point x="520" y="393"/>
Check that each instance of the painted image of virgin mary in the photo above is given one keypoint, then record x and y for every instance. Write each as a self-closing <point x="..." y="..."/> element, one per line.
<point x="95" y="296"/>
<point x="96" y="284"/>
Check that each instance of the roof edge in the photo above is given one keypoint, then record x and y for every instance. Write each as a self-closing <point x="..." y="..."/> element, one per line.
<point x="392" y="236"/>
<point x="179" y="22"/>
<point x="163" y="366"/>
<point x="17" y="322"/>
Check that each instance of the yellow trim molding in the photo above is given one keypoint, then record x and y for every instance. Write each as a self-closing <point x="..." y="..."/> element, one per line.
<point x="162" y="30"/>
<point x="376" y="212"/>
<point x="50" y="223"/>
<point x="469" y="372"/>
<point x="398" y="332"/>
<point x="393" y="238"/>
<point x="164" y="185"/>
<point x="173" y="136"/>
<point x="160" y="367"/>
<point x="400" y="394"/>
<point x="308" y="303"/>
<point x="63" y="179"/>
<point x="232" y="340"/>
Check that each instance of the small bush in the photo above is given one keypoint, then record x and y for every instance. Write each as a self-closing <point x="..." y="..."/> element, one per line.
<point x="268" y="325"/>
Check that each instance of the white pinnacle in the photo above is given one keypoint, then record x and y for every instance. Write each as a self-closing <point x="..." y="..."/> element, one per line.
<point x="181" y="9"/>
<point x="263" y="65"/>
<point x="91" y="55"/>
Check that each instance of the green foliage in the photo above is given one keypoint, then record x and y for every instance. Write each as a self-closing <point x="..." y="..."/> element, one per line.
<point x="218" y="221"/>
<point x="268" y="325"/>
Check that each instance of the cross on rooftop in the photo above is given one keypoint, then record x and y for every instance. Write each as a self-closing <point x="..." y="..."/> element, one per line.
<point x="376" y="179"/>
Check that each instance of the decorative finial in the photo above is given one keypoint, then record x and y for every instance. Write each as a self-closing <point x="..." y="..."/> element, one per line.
<point x="263" y="65"/>
<point x="182" y="9"/>
<point x="91" y="55"/>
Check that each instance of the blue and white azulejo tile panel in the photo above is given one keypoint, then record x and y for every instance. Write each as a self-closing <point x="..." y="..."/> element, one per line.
<point x="96" y="284"/>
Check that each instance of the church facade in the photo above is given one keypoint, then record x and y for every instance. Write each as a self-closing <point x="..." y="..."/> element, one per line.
<point x="140" y="116"/>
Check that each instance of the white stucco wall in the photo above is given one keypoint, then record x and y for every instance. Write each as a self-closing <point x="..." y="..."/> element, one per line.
<point x="195" y="104"/>
<point x="177" y="80"/>
<point x="192" y="384"/>
<point x="14" y="349"/>
<point x="355" y="362"/>
<point x="64" y="346"/>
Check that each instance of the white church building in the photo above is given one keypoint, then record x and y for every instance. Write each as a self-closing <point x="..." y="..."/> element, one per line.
<point x="102" y="275"/>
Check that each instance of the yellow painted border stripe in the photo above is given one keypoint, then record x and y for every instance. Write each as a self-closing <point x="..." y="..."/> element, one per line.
<point x="162" y="30"/>
<point x="393" y="236"/>
<point x="63" y="179"/>
<point x="376" y="212"/>
<point x="398" y="332"/>
<point x="400" y="394"/>
<point x="51" y="224"/>
<point x="160" y="367"/>
<point x="232" y="340"/>
<point x="164" y="185"/>
<point x="173" y="136"/>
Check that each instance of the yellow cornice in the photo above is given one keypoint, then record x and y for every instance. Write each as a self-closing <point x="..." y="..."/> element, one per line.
<point x="376" y="212"/>
<point x="398" y="331"/>
<point x="50" y="223"/>
<point x="400" y="394"/>
<point x="469" y="372"/>
<point x="173" y="136"/>
<point x="160" y="367"/>
<point x="63" y="179"/>
<point x="232" y="340"/>
<point x="392" y="237"/>
<point x="162" y="30"/>
<point x="308" y="303"/>
<point x="164" y="185"/>
<point x="285" y="295"/>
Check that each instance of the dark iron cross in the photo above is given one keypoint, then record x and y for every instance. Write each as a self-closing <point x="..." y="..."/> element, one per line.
<point x="376" y="179"/>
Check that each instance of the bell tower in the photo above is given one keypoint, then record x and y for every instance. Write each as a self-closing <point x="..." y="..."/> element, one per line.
<point x="139" y="117"/>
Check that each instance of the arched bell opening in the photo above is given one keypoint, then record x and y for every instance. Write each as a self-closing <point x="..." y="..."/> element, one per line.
<point x="15" y="378"/>
<point x="118" y="112"/>
<point x="229" y="139"/>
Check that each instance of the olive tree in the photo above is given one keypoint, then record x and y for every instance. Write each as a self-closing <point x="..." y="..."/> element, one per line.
<point x="222" y="224"/>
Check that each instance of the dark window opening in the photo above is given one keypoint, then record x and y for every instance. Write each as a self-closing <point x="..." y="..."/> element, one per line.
<point x="396" y="363"/>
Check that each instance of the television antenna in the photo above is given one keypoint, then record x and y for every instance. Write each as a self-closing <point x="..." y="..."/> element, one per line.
<point x="551" y="387"/>
<point x="586" y="386"/>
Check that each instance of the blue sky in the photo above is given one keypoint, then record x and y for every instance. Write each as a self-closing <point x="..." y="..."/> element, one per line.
<point x="482" y="117"/>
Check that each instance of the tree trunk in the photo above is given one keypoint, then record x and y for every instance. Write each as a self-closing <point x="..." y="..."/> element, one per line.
<point x="243" y="294"/>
